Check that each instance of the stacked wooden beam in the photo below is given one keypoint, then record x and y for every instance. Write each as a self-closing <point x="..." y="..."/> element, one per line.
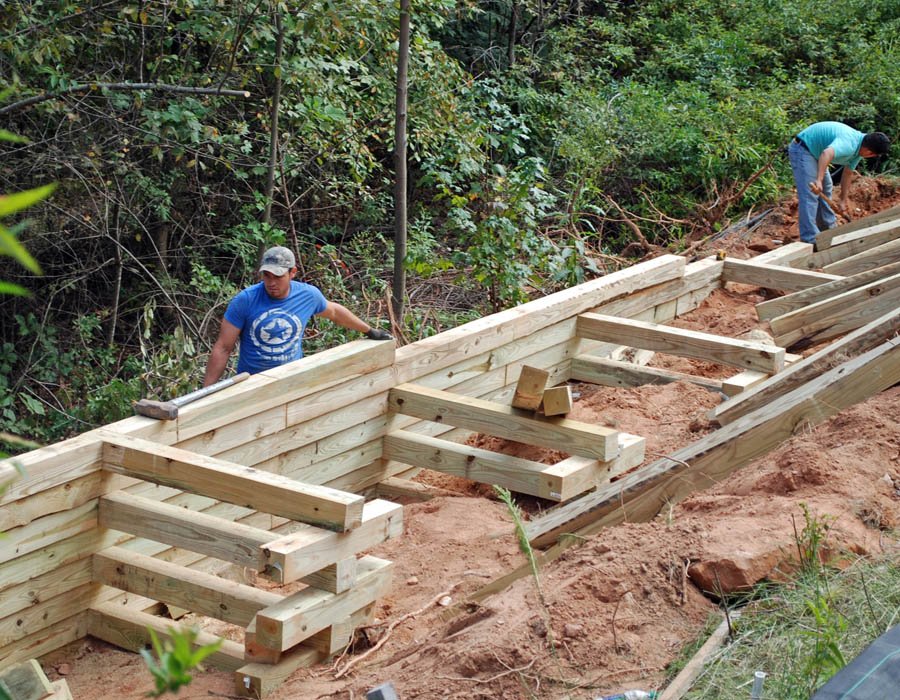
<point x="282" y="630"/>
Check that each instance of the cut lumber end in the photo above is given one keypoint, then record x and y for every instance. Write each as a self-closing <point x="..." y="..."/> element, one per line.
<point x="557" y="400"/>
<point x="530" y="388"/>
<point x="25" y="681"/>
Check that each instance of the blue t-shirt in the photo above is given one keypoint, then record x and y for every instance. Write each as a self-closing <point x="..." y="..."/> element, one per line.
<point x="843" y="139"/>
<point x="271" y="329"/>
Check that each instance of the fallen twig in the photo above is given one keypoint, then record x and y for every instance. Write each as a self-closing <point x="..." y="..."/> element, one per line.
<point x="492" y="678"/>
<point x="387" y="633"/>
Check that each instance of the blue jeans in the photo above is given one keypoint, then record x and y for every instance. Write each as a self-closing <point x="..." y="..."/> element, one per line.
<point x="813" y="213"/>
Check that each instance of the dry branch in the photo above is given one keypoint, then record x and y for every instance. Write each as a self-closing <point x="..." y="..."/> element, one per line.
<point x="387" y="633"/>
<point x="163" y="87"/>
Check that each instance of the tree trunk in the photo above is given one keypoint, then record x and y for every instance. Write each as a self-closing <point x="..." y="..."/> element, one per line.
<point x="511" y="34"/>
<point x="399" y="293"/>
<point x="273" y="120"/>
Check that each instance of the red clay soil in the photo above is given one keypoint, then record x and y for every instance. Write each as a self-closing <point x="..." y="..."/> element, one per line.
<point x="616" y="610"/>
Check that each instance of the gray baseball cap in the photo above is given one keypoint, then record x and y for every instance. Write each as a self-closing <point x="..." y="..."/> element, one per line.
<point x="278" y="260"/>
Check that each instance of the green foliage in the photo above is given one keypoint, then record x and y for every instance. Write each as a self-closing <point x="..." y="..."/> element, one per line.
<point x="530" y="142"/>
<point x="826" y="658"/>
<point x="800" y="635"/>
<point x="811" y="541"/>
<point x="174" y="660"/>
<point x="513" y="206"/>
<point x="12" y="204"/>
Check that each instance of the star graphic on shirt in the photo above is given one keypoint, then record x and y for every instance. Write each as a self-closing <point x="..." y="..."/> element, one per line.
<point x="276" y="331"/>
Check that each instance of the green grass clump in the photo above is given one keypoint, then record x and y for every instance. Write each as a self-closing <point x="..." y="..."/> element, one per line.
<point x="803" y="632"/>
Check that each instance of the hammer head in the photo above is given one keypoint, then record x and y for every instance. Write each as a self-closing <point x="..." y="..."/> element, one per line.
<point x="161" y="410"/>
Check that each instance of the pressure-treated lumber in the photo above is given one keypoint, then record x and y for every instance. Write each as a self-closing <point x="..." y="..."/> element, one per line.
<point x="639" y="496"/>
<point x="773" y="308"/>
<point x="557" y="400"/>
<point x="772" y="276"/>
<point x="181" y="527"/>
<point x="677" y="341"/>
<point x="790" y="255"/>
<point x="879" y="256"/>
<point x="301" y="615"/>
<point x="683" y="681"/>
<point x="837" y="315"/>
<point x="286" y="383"/>
<point x="330" y="640"/>
<point x="127" y="628"/>
<point x="599" y="370"/>
<point x="823" y="258"/>
<point x="807" y="369"/>
<point x="557" y="482"/>
<point x="25" y="681"/>
<point x="504" y="421"/>
<point x="257" y="680"/>
<point x="484" y="466"/>
<point x="663" y="302"/>
<point x="395" y="487"/>
<point x="530" y="388"/>
<point x="301" y="553"/>
<point x="61" y="690"/>
<point x="169" y="583"/>
<point x="744" y="380"/>
<point x="271" y="493"/>
<point x="865" y="226"/>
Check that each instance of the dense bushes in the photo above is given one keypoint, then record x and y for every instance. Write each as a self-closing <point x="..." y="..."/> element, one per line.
<point x="540" y="136"/>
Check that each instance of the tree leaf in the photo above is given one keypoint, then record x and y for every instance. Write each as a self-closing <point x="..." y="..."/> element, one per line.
<point x="12" y="203"/>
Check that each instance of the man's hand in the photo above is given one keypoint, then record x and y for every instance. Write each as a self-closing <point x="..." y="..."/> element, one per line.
<point x="378" y="334"/>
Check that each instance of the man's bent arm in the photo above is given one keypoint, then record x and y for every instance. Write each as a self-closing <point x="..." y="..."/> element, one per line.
<point x="824" y="160"/>
<point x="847" y="178"/>
<point x="341" y="315"/>
<point x="218" y="358"/>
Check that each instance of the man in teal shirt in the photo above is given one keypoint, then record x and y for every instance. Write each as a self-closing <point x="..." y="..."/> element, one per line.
<point x="811" y="152"/>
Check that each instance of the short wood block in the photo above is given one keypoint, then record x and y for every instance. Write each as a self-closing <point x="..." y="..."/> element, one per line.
<point x="334" y="578"/>
<point x="298" y="617"/>
<point x="575" y="475"/>
<point x="259" y="679"/>
<point x="26" y="681"/>
<point x="61" y="690"/>
<point x="557" y="400"/>
<point x="744" y="380"/>
<point x="309" y="550"/>
<point x="530" y="388"/>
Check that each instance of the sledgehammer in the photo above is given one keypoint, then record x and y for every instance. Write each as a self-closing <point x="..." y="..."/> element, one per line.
<point x="168" y="410"/>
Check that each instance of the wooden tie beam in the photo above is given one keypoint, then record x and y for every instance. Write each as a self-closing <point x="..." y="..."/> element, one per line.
<point x="677" y="341"/>
<point x="557" y="482"/>
<point x="270" y="493"/>
<point x="504" y="421"/>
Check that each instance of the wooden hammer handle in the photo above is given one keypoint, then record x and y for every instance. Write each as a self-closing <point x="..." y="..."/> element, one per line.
<point x="830" y="203"/>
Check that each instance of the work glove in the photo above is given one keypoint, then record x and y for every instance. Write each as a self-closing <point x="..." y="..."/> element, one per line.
<point x="378" y="334"/>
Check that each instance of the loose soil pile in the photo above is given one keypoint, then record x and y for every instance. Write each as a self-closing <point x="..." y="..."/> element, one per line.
<point x="617" y="609"/>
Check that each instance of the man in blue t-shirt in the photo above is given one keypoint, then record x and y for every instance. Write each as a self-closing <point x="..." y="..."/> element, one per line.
<point x="269" y="319"/>
<point x="810" y="153"/>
